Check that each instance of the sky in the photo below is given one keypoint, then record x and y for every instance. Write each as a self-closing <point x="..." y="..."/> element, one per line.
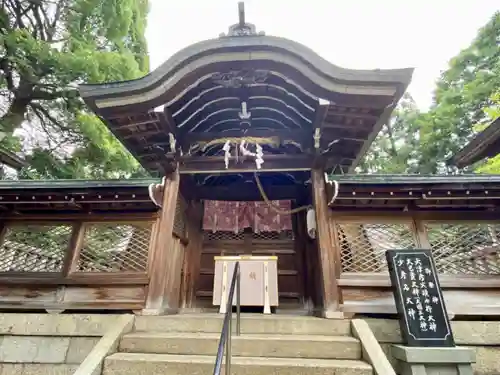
<point x="362" y="34"/>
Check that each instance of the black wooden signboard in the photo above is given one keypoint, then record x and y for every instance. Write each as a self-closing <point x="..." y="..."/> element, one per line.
<point x="418" y="297"/>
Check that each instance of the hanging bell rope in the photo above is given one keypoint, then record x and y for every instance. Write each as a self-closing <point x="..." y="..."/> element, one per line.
<point x="271" y="205"/>
<point x="298" y="209"/>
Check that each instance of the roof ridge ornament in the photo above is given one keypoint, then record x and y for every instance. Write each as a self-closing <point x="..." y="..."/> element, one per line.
<point x="242" y="28"/>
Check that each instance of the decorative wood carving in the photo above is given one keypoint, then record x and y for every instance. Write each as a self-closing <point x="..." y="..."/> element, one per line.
<point x="242" y="28"/>
<point x="240" y="78"/>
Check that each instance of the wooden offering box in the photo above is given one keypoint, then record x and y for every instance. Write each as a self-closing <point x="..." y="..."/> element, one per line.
<point x="259" y="281"/>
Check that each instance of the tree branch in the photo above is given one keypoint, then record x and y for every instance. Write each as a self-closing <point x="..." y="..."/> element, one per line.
<point x="40" y="23"/>
<point x="43" y="112"/>
<point x="7" y="74"/>
<point x="16" y="9"/>
<point x="53" y="26"/>
<point x="392" y="151"/>
<point x="39" y="94"/>
<point x="40" y="110"/>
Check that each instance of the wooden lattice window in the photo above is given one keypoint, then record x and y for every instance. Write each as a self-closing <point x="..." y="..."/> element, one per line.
<point x="363" y="245"/>
<point x="223" y="236"/>
<point x="34" y="247"/>
<point x="240" y="236"/>
<point x="465" y="248"/>
<point x="114" y="247"/>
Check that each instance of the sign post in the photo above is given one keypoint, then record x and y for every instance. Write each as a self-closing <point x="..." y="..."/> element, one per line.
<point x="425" y="326"/>
<point x="419" y="300"/>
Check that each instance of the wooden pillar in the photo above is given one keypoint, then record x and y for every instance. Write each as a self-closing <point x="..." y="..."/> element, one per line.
<point x="304" y="260"/>
<point x="422" y="238"/>
<point x="326" y="247"/>
<point x="161" y="297"/>
<point x="192" y="259"/>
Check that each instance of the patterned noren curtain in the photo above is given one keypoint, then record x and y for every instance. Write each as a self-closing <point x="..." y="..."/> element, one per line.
<point x="224" y="216"/>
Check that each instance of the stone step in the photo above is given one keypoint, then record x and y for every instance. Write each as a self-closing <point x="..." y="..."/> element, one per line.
<point x="165" y="364"/>
<point x="249" y="345"/>
<point x="250" y="323"/>
<point x="26" y="324"/>
<point x="36" y="369"/>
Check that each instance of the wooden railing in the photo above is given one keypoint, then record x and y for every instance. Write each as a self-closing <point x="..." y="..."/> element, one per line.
<point x="467" y="256"/>
<point x="65" y="248"/>
<point x="61" y="263"/>
<point x="227" y="330"/>
<point x="459" y="248"/>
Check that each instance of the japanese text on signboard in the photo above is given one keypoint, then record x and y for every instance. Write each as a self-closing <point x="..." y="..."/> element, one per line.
<point x="416" y="284"/>
<point x="418" y="298"/>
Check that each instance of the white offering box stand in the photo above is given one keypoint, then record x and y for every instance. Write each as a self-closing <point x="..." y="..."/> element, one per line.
<point x="259" y="281"/>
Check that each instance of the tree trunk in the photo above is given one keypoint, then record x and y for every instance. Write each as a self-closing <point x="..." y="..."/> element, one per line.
<point x="14" y="116"/>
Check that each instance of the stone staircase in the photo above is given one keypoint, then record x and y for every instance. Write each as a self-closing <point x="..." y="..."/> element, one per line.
<point x="276" y="344"/>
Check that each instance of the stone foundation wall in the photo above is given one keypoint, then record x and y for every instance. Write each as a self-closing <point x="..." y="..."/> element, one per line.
<point x="40" y="344"/>
<point x="483" y="337"/>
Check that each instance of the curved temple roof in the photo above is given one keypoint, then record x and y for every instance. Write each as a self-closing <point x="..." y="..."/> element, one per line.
<point x="249" y="83"/>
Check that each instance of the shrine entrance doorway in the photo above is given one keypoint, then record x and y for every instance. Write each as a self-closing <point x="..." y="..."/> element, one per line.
<point x="274" y="226"/>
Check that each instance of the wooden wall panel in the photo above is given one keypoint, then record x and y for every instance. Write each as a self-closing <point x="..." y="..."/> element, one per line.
<point x="121" y="295"/>
<point x="205" y="282"/>
<point x="287" y="261"/>
<point x="289" y="284"/>
<point x="207" y="260"/>
<point x="458" y="302"/>
<point x="105" y="297"/>
<point x="27" y="295"/>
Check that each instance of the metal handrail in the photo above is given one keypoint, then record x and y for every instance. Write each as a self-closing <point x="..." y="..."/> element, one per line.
<point x="226" y="333"/>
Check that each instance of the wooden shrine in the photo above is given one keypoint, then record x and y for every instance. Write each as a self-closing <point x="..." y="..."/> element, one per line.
<point x="253" y="141"/>
<point x="248" y="117"/>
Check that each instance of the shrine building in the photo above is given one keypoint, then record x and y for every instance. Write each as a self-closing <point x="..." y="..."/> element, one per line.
<point x="252" y="142"/>
<point x="244" y="128"/>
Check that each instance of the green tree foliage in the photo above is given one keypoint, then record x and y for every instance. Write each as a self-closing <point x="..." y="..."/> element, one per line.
<point x="395" y="150"/>
<point x="465" y="89"/>
<point x="48" y="47"/>
<point x="493" y="164"/>
<point x="465" y="95"/>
